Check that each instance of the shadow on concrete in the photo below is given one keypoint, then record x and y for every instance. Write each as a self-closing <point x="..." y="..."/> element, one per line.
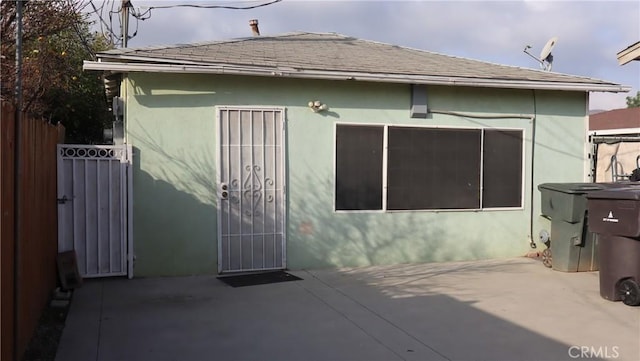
<point x="412" y="312"/>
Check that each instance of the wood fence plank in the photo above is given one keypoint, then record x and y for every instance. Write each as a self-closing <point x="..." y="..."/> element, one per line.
<point x="38" y="226"/>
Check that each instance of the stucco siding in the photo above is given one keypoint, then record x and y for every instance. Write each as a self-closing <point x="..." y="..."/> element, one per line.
<point x="561" y="146"/>
<point x="171" y="125"/>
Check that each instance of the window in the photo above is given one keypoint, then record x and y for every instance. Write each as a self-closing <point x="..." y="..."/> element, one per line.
<point x="359" y="167"/>
<point x="427" y="168"/>
<point x="433" y="168"/>
<point x="502" y="162"/>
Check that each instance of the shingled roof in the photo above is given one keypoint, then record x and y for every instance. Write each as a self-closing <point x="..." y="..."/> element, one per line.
<point x="615" y="119"/>
<point x="339" y="57"/>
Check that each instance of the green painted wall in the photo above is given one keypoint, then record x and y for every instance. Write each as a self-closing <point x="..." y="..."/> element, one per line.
<point x="171" y="125"/>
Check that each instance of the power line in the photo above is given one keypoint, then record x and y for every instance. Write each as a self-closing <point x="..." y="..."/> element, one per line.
<point x="104" y="26"/>
<point x="84" y="40"/>
<point x="147" y="13"/>
<point x="213" y="6"/>
<point x="107" y="26"/>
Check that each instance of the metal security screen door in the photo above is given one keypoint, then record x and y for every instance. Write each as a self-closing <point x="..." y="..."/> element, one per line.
<point x="94" y="215"/>
<point x="251" y="189"/>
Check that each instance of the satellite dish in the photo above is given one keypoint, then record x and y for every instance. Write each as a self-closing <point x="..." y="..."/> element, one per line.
<point x="546" y="58"/>
<point x="546" y="51"/>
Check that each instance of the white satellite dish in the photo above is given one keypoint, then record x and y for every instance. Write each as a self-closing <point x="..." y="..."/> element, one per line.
<point x="546" y="58"/>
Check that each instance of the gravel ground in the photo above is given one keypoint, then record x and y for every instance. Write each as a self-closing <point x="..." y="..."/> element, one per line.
<point x="44" y="344"/>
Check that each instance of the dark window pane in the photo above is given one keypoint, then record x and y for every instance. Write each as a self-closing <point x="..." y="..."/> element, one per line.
<point x="432" y="168"/>
<point x="502" y="173"/>
<point x="359" y="167"/>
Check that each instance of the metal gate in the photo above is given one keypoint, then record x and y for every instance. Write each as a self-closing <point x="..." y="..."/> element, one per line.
<point x="94" y="208"/>
<point x="251" y="189"/>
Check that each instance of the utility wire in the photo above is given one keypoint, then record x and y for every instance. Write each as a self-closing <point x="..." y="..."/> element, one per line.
<point x="84" y="41"/>
<point x="107" y="26"/>
<point x="147" y="13"/>
<point x="215" y="6"/>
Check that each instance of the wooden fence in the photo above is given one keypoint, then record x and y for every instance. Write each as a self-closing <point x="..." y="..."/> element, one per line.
<point x="30" y="278"/>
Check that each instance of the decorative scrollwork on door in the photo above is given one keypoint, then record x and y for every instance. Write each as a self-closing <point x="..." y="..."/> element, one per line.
<point x="253" y="189"/>
<point x="269" y="182"/>
<point x="233" y="191"/>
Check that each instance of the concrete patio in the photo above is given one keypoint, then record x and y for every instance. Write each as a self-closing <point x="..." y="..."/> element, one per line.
<point x="512" y="309"/>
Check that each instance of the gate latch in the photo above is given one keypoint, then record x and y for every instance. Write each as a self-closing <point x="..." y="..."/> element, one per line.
<point x="63" y="200"/>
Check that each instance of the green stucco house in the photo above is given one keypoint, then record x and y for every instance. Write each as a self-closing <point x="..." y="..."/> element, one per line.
<point x="309" y="150"/>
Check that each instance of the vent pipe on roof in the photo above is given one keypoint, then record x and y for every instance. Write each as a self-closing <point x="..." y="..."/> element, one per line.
<point x="254" y="27"/>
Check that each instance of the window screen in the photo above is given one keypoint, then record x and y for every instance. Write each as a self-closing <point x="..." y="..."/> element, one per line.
<point x="502" y="173"/>
<point x="428" y="168"/>
<point x="359" y="167"/>
<point x="432" y="168"/>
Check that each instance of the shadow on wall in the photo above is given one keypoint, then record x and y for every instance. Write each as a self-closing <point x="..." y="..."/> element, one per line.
<point x="193" y="172"/>
<point x="174" y="230"/>
<point x="169" y="225"/>
<point x="206" y="91"/>
<point x="319" y="237"/>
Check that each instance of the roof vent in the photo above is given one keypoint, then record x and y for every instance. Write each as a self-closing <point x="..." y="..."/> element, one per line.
<point x="254" y="27"/>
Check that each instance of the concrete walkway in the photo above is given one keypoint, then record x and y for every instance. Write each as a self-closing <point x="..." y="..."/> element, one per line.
<point x="489" y="310"/>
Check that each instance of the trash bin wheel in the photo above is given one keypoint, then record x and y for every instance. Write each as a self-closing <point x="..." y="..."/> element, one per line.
<point x="629" y="292"/>
<point x="546" y="257"/>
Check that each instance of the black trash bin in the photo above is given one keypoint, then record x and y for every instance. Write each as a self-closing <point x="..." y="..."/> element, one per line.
<point x="614" y="215"/>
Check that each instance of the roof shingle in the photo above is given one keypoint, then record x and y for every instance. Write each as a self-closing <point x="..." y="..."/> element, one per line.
<point x="330" y="52"/>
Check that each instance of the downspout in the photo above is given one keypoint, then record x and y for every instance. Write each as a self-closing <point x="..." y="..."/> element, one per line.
<point x="532" y="118"/>
<point x="129" y="175"/>
<point x="532" y="243"/>
<point x="123" y="96"/>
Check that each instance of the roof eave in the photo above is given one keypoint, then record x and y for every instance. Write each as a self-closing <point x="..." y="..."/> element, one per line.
<point x="629" y="54"/>
<point x="358" y="76"/>
<point x="128" y="59"/>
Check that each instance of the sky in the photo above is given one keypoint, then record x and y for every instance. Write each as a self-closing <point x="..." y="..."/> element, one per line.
<point x="589" y="33"/>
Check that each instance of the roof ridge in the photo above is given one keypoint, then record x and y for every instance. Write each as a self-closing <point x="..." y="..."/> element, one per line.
<point x="216" y="42"/>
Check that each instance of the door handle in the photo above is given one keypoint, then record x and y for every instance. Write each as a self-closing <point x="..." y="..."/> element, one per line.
<point x="224" y="194"/>
<point x="63" y="200"/>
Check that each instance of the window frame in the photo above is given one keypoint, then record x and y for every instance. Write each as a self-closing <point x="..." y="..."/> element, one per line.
<point x="385" y="157"/>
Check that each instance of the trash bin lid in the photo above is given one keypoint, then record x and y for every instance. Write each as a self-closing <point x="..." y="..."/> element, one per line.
<point x="630" y="193"/>
<point x="573" y="188"/>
